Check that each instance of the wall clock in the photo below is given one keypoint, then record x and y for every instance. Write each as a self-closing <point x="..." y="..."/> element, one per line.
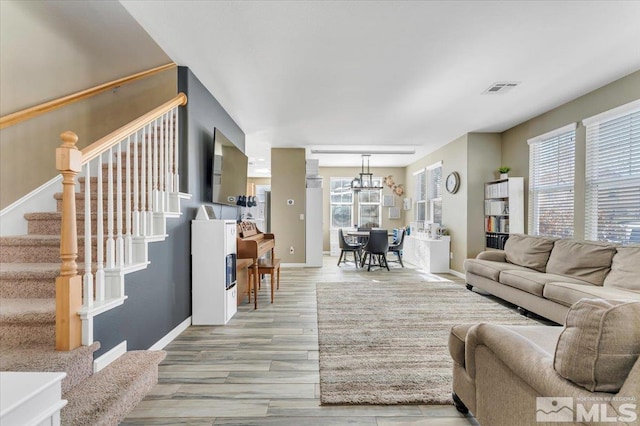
<point x="453" y="182"/>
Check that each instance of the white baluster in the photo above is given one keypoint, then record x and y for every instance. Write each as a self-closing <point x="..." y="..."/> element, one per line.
<point x="111" y="244"/>
<point x="119" y="210"/>
<point x="128" y="242"/>
<point x="136" y="185"/>
<point x="150" y="194"/>
<point x="87" y="279"/>
<point x="170" y="188"/>
<point x="156" y="188"/>
<point x="99" y="237"/>
<point x="176" y="137"/>
<point x="143" y="184"/>
<point x="161" y="167"/>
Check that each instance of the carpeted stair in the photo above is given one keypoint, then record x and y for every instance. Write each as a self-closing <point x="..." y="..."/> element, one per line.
<point x="29" y="265"/>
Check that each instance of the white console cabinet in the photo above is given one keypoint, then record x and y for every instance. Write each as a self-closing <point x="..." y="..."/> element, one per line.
<point x="213" y="271"/>
<point x="426" y="253"/>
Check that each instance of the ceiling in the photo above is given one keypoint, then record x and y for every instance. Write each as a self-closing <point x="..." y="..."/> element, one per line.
<point x="390" y="75"/>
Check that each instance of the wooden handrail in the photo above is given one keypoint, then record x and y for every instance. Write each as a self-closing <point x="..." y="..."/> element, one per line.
<point x="34" y="111"/>
<point x="101" y="145"/>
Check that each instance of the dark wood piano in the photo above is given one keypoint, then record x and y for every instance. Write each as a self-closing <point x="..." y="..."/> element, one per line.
<point x="253" y="244"/>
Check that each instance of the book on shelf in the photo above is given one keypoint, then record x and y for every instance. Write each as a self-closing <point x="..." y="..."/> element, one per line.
<point x="493" y="207"/>
<point x="496" y="190"/>
<point x="496" y="241"/>
<point x="497" y="224"/>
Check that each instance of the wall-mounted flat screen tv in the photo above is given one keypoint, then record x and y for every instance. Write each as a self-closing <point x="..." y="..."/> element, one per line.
<point x="228" y="167"/>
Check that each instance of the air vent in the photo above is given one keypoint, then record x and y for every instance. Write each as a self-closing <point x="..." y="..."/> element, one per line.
<point x="500" y="87"/>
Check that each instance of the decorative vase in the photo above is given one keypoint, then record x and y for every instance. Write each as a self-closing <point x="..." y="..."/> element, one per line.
<point x="504" y="175"/>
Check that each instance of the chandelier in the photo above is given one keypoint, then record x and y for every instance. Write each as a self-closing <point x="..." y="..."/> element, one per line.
<point x="365" y="180"/>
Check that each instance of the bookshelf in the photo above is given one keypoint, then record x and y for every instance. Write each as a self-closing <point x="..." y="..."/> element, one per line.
<point x="503" y="210"/>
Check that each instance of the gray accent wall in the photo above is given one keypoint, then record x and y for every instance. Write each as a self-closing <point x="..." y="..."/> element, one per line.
<point x="159" y="297"/>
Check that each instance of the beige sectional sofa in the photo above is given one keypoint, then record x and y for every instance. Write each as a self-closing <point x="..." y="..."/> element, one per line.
<point x="547" y="275"/>
<point x="517" y="375"/>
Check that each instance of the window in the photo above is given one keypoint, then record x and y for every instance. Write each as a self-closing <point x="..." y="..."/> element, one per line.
<point x="551" y="181"/>
<point x="612" y="194"/>
<point x="341" y="203"/>
<point x="421" y="196"/>
<point x="434" y="193"/>
<point x="369" y="206"/>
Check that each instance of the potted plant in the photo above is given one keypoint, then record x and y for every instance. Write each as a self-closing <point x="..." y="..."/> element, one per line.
<point x="504" y="172"/>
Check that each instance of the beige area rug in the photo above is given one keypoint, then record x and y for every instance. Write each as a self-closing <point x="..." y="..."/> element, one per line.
<point x="386" y="342"/>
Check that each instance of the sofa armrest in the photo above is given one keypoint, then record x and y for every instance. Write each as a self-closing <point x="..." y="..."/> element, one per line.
<point x="524" y="358"/>
<point x="494" y="255"/>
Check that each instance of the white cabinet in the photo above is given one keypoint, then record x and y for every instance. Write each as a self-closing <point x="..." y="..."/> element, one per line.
<point x="31" y="398"/>
<point x="213" y="271"/>
<point x="313" y="227"/>
<point x="428" y="254"/>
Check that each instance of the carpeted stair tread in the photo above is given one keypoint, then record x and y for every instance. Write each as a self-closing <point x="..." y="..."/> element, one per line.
<point x="20" y="271"/>
<point x="27" y="311"/>
<point x="30" y="239"/>
<point x="78" y="363"/>
<point x="109" y="395"/>
<point x="28" y="280"/>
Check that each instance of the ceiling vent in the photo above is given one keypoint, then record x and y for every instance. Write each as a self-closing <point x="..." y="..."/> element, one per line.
<point x="500" y="87"/>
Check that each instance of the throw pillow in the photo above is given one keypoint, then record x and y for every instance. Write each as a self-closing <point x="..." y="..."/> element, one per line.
<point x="599" y="344"/>
<point x="528" y="251"/>
<point x="625" y="269"/>
<point x="584" y="260"/>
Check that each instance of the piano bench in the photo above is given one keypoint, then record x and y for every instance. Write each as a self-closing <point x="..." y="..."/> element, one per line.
<point x="270" y="267"/>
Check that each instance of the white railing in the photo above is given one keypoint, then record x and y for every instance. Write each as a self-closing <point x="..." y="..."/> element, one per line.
<point x="135" y="170"/>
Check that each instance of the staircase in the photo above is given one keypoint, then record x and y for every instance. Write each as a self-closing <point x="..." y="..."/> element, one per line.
<point x="29" y="266"/>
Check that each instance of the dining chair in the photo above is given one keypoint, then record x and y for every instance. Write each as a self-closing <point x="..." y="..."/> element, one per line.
<point x="377" y="245"/>
<point x="397" y="247"/>
<point x="347" y="247"/>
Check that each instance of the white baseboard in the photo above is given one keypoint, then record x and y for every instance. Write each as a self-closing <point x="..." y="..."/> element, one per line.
<point x="168" y="338"/>
<point x="109" y="356"/>
<point x="457" y="274"/>
<point x="12" y="221"/>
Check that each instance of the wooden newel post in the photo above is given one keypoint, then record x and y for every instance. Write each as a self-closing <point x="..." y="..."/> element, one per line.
<point x="69" y="283"/>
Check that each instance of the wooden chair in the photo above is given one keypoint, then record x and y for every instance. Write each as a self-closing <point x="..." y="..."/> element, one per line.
<point x="265" y="266"/>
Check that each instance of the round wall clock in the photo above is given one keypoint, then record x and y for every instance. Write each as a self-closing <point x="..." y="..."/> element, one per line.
<point x="453" y="182"/>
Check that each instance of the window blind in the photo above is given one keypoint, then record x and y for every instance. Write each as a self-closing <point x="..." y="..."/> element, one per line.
<point x="612" y="198"/>
<point x="551" y="183"/>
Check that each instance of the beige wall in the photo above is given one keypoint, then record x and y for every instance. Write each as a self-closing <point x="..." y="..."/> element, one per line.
<point x="454" y="206"/>
<point x="484" y="158"/>
<point x="288" y="169"/>
<point x="515" y="150"/>
<point x="327" y="173"/>
<point x="50" y="49"/>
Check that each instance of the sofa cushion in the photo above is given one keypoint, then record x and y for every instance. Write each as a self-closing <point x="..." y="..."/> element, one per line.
<point x="533" y="282"/>
<point x="528" y="251"/>
<point x="587" y="261"/>
<point x="569" y="293"/>
<point x="600" y="344"/>
<point x="625" y="269"/>
<point x="488" y="268"/>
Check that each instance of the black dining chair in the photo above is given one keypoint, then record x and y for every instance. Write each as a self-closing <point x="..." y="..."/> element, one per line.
<point x="397" y="247"/>
<point x="347" y="247"/>
<point x="377" y="245"/>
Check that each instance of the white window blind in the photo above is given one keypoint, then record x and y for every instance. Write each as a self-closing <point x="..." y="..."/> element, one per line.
<point x="434" y="192"/>
<point x="551" y="182"/>
<point x="421" y="194"/>
<point x="612" y="199"/>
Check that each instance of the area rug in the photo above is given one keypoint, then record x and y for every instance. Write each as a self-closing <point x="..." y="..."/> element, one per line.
<point x="386" y="342"/>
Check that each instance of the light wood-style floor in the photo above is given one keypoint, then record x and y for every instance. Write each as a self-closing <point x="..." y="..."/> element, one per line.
<point x="262" y="367"/>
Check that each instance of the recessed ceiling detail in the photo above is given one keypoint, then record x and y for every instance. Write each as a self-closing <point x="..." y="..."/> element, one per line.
<point x="500" y="87"/>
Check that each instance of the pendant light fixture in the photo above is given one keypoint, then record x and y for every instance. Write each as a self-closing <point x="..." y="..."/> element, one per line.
<point x="365" y="179"/>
